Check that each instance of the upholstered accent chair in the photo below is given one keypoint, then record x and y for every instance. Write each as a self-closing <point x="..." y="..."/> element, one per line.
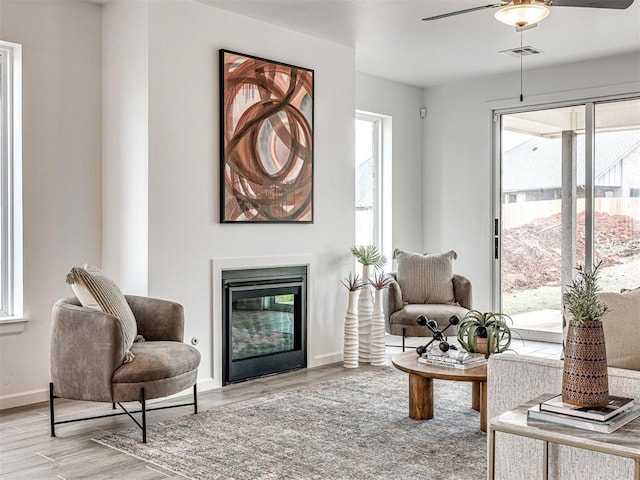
<point x="91" y="361"/>
<point x="424" y="285"/>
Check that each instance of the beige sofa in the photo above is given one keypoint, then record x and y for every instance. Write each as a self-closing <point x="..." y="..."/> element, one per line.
<point x="515" y="379"/>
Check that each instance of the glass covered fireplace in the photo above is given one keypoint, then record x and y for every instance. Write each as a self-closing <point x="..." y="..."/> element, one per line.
<point x="264" y="322"/>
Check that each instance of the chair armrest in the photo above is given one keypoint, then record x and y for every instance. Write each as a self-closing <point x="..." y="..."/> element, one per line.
<point x="462" y="291"/>
<point x="158" y="320"/>
<point x="392" y="300"/>
<point x="87" y="346"/>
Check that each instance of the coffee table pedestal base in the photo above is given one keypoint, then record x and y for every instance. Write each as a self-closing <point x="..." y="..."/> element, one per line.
<point x="420" y="397"/>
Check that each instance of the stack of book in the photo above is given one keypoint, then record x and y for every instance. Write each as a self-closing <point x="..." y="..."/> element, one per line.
<point x="615" y="415"/>
<point x="452" y="359"/>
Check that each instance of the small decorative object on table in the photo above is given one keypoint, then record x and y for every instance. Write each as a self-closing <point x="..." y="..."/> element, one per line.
<point x="585" y="378"/>
<point x="350" y="357"/>
<point x="616" y="405"/>
<point x="368" y="257"/>
<point x="484" y="332"/>
<point x="438" y="335"/>
<point x="608" y="419"/>
<point x="452" y="358"/>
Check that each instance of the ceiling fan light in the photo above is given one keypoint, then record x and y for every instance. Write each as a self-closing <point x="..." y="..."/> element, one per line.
<point x="520" y="15"/>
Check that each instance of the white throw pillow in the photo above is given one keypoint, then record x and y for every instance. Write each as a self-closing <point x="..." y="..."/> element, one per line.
<point x="97" y="291"/>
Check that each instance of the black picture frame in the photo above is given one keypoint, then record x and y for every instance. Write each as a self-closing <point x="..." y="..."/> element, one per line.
<point x="266" y="140"/>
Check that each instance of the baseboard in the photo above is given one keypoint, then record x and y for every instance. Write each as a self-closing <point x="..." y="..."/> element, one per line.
<point x="326" y="359"/>
<point x="207" y="384"/>
<point x="24" y="398"/>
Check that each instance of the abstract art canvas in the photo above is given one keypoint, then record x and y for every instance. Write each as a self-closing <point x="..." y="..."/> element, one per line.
<point x="266" y="139"/>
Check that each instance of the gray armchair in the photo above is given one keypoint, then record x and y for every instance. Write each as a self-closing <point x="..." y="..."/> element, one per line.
<point x="400" y="317"/>
<point x="87" y="357"/>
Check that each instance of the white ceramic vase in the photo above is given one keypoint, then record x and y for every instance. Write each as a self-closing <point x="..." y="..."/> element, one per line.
<point x="350" y="357"/>
<point x="378" y="356"/>
<point x="365" y="310"/>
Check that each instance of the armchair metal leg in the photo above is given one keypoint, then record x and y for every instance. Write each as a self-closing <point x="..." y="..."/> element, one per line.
<point x="143" y="411"/>
<point x="404" y="331"/>
<point x="51" y="410"/>
<point x="144" y="416"/>
<point x="195" y="398"/>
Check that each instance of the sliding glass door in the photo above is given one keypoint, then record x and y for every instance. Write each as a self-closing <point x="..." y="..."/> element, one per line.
<point x="616" y="209"/>
<point x="567" y="194"/>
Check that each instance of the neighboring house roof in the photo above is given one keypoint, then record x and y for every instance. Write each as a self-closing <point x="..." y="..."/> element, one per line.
<point x="536" y="163"/>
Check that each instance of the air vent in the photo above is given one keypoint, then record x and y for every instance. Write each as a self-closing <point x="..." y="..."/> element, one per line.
<point x="521" y="51"/>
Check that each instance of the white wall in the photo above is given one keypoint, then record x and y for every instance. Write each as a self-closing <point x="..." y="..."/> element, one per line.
<point x="402" y="103"/>
<point x="61" y="173"/>
<point x="184" y="229"/>
<point x="125" y="144"/>
<point x="457" y="151"/>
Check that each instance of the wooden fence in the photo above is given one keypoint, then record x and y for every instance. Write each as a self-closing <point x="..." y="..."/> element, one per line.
<point x="520" y="213"/>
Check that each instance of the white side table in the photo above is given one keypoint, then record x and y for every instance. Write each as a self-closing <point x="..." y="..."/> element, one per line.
<point x="624" y="442"/>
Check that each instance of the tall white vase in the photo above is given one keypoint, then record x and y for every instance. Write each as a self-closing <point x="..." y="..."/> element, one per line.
<point x="365" y="310"/>
<point x="350" y="358"/>
<point x="378" y="356"/>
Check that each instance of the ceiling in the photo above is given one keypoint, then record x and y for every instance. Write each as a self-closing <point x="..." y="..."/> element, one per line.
<point x="392" y="42"/>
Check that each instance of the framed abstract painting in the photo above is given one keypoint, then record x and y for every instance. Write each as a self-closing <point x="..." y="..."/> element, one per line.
<point x="266" y="140"/>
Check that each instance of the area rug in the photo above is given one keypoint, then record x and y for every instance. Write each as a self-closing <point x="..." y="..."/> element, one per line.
<point x="356" y="427"/>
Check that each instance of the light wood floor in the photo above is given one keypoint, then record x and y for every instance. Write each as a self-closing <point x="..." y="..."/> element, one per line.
<point x="27" y="452"/>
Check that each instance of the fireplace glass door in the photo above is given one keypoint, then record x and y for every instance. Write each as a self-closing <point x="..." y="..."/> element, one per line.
<point x="262" y="321"/>
<point x="264" y="325"/>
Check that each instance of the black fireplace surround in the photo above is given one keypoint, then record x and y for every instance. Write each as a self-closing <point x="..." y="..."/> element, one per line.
<point x="264" y="325"/>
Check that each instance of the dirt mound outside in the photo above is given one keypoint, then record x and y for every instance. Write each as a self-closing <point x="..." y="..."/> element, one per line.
<point x="531" y="253"/>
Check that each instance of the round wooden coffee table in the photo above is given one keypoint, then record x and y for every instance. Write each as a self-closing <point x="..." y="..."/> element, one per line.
<point x="421" y="378"/>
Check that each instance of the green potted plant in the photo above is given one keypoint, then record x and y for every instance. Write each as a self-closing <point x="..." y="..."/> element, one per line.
<point x="369" y="256"/>
<point x="585" y="378"/>
<point x="581" y="299"/>
<point x="484" y="332"/>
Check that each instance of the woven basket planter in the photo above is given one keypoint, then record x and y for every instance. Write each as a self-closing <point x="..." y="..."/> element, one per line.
<point x="585" y="381"/>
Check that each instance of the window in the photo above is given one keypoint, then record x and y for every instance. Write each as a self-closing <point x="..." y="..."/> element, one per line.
<point x="368" y="138"/>
<point x="373" y="185"/>
<point x="10" y="181"/>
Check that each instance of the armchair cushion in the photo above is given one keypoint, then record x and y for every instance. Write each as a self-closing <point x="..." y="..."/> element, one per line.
<point x="406" y="318"/>
<point x="158" y="360"/>
<point x="426" y="278"/>
<point x="94" y="288"/>
<point x="162" y="368"/>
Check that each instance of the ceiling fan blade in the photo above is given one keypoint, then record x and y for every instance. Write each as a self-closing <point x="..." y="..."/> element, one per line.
<point x="618" y="4"/>
<point x="460" y="12"/>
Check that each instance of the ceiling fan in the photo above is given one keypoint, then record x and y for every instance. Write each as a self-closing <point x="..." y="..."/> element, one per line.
<point x="525" y="14"/>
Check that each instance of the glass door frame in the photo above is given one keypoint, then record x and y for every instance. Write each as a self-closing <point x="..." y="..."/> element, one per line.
<point x="496" y="192"/>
